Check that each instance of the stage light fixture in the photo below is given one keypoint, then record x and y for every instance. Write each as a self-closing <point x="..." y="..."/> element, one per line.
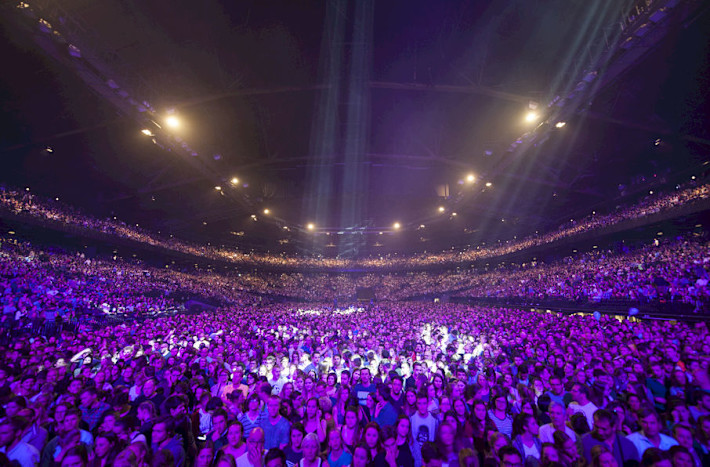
<point x="531" y="117"/>
<point x="560" y="124"/>
<point x="470" y="178"/>
<point x="310" y="226"/>
<point x="234" y="180"/>
<point x="489" y="184"/>
<point x="442" y="209"/>
<point x="172" y="121"/>
<point x="396" y="225"/>
<point x="267" y="211"/>
<point x="218" y="188"/>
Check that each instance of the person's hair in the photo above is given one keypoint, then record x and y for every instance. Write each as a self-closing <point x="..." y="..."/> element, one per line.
<point x="396" y="427"/>
<point x="19" y="400"/>
<point x="682" y="426"/>
<point x="311" y="437"/>
<point x="80" y="451"/>
<point x="149" y="406"/>
<point x="652" y="456"/>
<point x="560" y="438"/>
<point x="275" y="453"/>
<point x="430" y="451"/>
<point x="644" y="413"/>
<point x="220" y="413"/>
<point x="509" y="451"/>
<point x="125" y="458"/>
<point x="494" y="436"/>
<point x="175" y="401"/>
<point x="597" y="452"/>
<point x="366" y="449"/>
<point x="169" y="423"/>
<point x="583" y="388"/>
<point x="296" y="427"/>
<point x="465" y="455"/>
<point x="602" y="415"/>
<point x="579" y="423"/>
<point x="519" y="423"/>
<point x="376" y="427"/>
<point x="17" y="422"/>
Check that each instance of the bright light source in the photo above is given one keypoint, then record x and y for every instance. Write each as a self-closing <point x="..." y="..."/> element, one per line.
<point x="267" y="211"/>
<point x="172" y="121"/>
<point x="531" y="117"/>
<point x="396" y="225"/>
<point x="560" y="124"/>
<point x="234" y="180"/>
<point x="453" y="214"/>
<point x="147" y="132"/>
<point x="489" y="184"/>
<point x="422" y="226"/>
<point x="470" y="178"/>
<point x="442" y="209"/>
<point x="218" y="188"/>
<point x="311" y="226"/>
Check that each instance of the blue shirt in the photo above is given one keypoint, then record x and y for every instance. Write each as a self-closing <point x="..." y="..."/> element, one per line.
<point x="275" y="434"/>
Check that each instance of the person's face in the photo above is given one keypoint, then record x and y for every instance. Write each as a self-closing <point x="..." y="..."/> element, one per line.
<point x="550" y="454"/>
<point x="72" y="461"/>
<point x="371" y="437"/>
<point x="160" y="434"/>
<point x="204" y="458"/>
<point x="359" y="457"/>
<point x="344" y="379"/>
<point x="11" y="409"/>
<point x="556" y="386"/>
<point x="234" y="435"/>
<point x="310" y="449"/>
<point x="74" y="387"/>
<point x="219" y="423"/>
<point x="422" y="405"/>
<point x="683" y="459"/>
<point x="650" y="426"/>
<point x="365" y="376"/>
<point x="604" y="428"/>
<point x="308" y="384"/>
<point x="71" y="422"/>
<point x="87" y="398"/>
<point x="59" y="413"/>
<point x="335" y="441"/>
<point x="7" y="435"/>
<point x="403" y="428"/>
<point x="479" y="410"/>
<point x="411" y="398"/>
<point x="273" y="406"/>
<point x="447" y="434"/>
<point x="684" y="438"/>
<point x="501" y="404"/>
<point x="396" y="386"/>
<point x="350" y="419"/>
<point x="148" y="388"/>
<point x="296" y="439"/>
<point x="445" y="404"/>
<point x="311" y="408"/>
<point x="606" y="459"/>
<point x="253" y="404"/>
<point x="570" y="448"/>
<point x="101" y="447"/>
<point x="108" y="423"/>
<point x="276" y="462"/>
<point x="499" y="443"/>
<point x="532" y="426"/>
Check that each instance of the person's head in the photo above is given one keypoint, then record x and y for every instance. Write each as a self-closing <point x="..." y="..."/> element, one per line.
<point x="140" y="450"/>
<point x="365" y="376"/>
<point x="361" y="456"/>
<point x="351" y="416"/>
<point x="310" y="446"/>
<point x="335" y="440"/>
<point x="205" y="455"/>
<point x="565" y="445"/>
<point x="235" y="433"/>
<point x="654" y="457"/>
<point x="497" y="441"/>
<point x="403" y="428"/>
<point x="104" y="443"/>
<point x="446" y="435"/>
<point x="273" y="404"/>
<point x="72" y="418"/>
<point x="14" y="405"/>
<point x="88" y="397"/>
<point x="680" y="456"/>
<point x="431" y="455"/>
<point x="580" y="393"/>
<point x="549" y="454"/>
<point x="510" y="457"/>
<point x="604" y="428"/>
<point x="423" y="404"/>
<point x="76" y="456"/>
<point x="372" y="436"/>
<point x="650" y="422"/>
<point x="557" y="414"/>
<point x="11" y="429"/>
<point x="255" y="442"/>
<point x="396" y="385"/>
<point x="275" y="457"/>
<point x="296" y="435"/>
<point x="219" y="421"/>
<point x="684" y="435"/>
<point x="163" y="430"/>
<point x="146" y="411"/>
<point x="603" y="457"/>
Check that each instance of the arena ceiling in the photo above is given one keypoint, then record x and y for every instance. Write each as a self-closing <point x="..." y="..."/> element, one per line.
<point x="352" y="116"/>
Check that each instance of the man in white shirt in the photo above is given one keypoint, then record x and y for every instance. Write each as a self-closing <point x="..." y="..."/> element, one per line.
<point x="559" y="418"/>
<point x="254" y="455"/>
<point x="650" y="435"/>
<point x="11" y="443"/>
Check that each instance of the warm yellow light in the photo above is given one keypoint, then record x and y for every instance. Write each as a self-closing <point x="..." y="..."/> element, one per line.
<point x="454" y="214"/>
<point x="396" y="225"/>
<point x="311" y="226"/>
<point x="218" y="188"/>
<point x="560" y="124"/>
<point x="234" y="180"/>
<point x="531" y="117"/>
<point x="489" y="184"/>
<point x="147" y="132"/>
<point x="266" y="211"/>
<point x="470" y="178"/>
<point x="172" y="121"/>
<point x="442" y="209"/>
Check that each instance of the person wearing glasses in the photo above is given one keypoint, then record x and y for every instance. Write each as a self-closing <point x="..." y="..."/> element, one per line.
<point x="254" y="457"/>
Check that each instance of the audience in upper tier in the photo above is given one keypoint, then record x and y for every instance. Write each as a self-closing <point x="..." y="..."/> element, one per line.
<point x="398" y="384"/>
<point x="24" y="202"/>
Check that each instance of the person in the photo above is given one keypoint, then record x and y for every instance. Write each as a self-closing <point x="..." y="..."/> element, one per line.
<point x="218" y="434"/>
<point x="605" y="433"/>
<point x="431" y="456"/>
<point x="253" y="416"/>
<point x="76" y="456"/>
<point x="567" y="448"/>
<point x="92" y="409"/>
<point x="558" y="417"/>
<point x="205" y="455"/>
<point x="498" y="413"/>
<point x="165" y="438"/>
<point x="424" y="426"/>
<point x="525" y="436"/>
<point x="361" y="456"/>
<point x="313" y="420"/>
<point x="684" y="435"/>
<point x="385" y="413"/>
<point x="581" y="403"/>
<point x="681" y="457"/>
<point x="337" y="455"/>
<point x="364" y="387"/>
<point x="403" y="442"/>
<point x="372" y="438"/>
<point x="275" y="426"/>
<point x="650" y="435"/>
<point x="254" y="456"/>
<point x="105" y="449"/>
<point x="445" y="443"/>
<point x="11" y="443"/>
<point x="294" y="451"/>
<point x="235" y="442"/>
<point x="351" y="432"/>
<point x="311" y="448"/>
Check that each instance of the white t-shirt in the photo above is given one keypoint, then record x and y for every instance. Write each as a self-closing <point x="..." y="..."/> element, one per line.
<point x="587" y="409"/>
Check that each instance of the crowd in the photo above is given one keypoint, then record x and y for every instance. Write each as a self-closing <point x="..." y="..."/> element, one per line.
<point x="24" y="202"/>
<point x="395" y="384"/>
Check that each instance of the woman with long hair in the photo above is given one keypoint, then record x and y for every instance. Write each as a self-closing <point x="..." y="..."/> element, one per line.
<point x="567" y="447"/>
<point x="361" y="456"/>
<point x="313" y="420"/>
<point x="337" y="456"/>
<point x="106" y="448"/>
<point x="409" y="407"/>
<point x="341" y="404"/>
<point x="498" y="414"/>
<point x="350" y="431"/>
<point x="404" y="441"/>
<point x="311" y="450"/>
<point x="294" y="449"/>
<point x="372" y="438"/>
